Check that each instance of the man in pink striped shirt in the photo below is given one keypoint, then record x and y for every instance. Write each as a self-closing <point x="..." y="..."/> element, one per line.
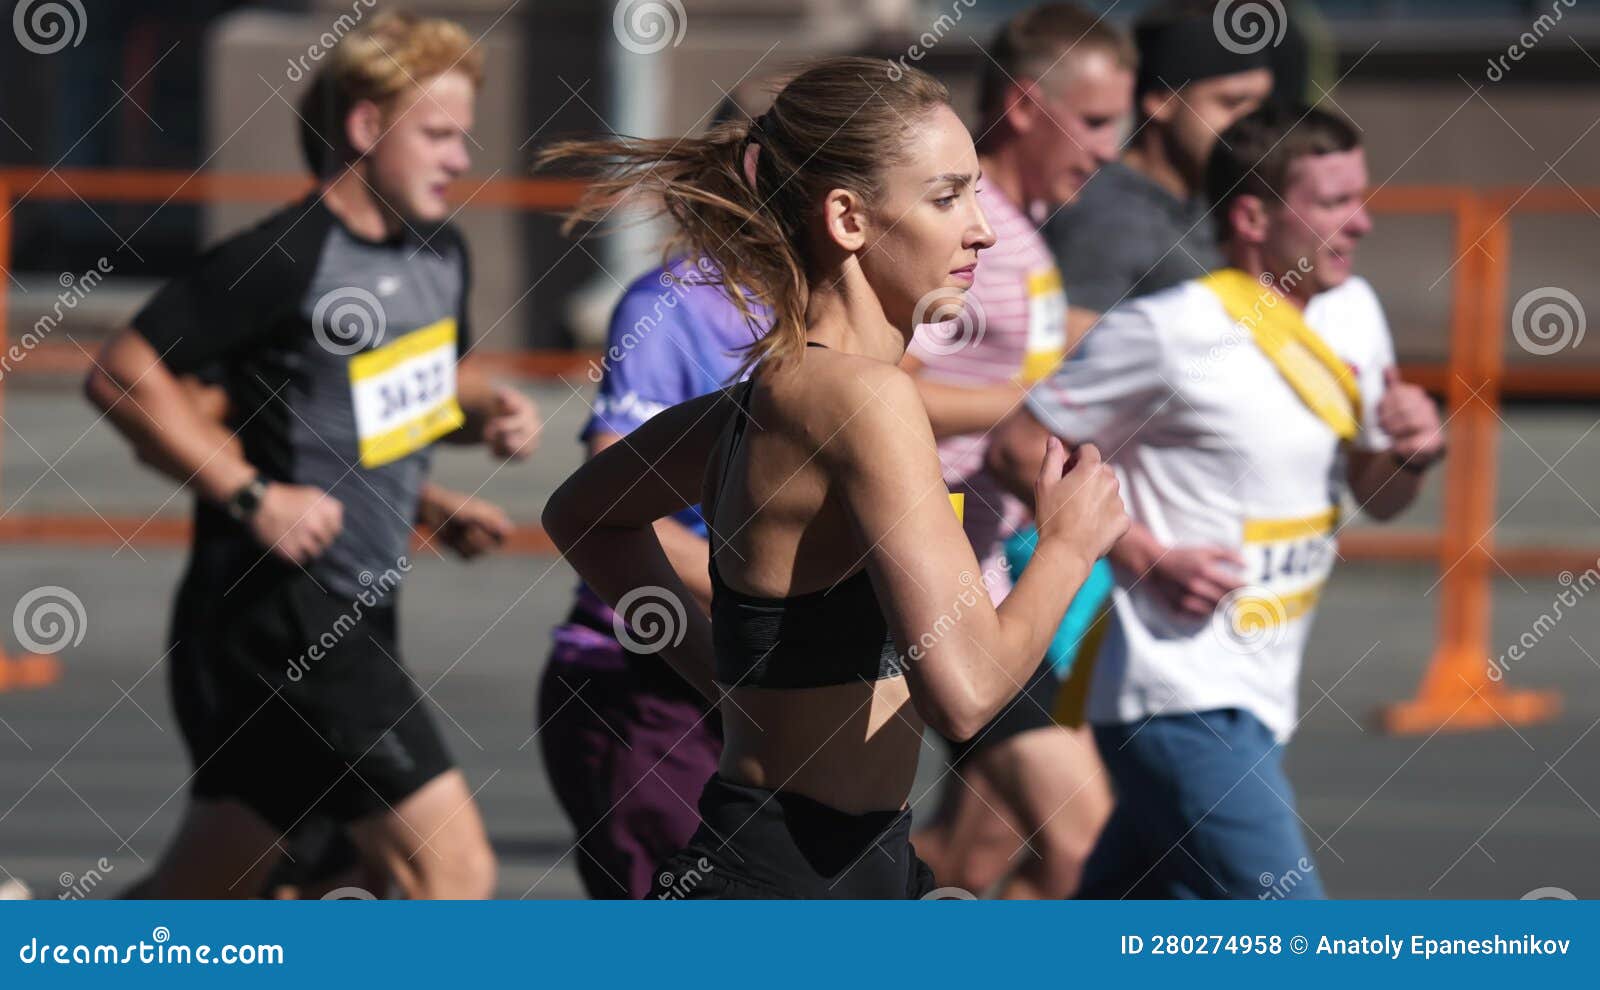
<point x="1056" y="93"/>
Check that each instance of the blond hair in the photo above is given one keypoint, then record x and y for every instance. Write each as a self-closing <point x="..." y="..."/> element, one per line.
<point x="399" y="50"/>
<point x="1047" y="40"/>
<point x="379" y="62"/>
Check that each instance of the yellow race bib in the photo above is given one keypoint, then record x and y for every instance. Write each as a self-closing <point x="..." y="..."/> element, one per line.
<point x="404" y="393"/>
<point x="1288" y="561"/>
<point x="1047" y="325"/>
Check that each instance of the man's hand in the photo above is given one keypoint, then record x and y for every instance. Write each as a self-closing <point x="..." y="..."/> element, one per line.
<point x="469" y="526"/>
<point x="512" y="430"/>
<point x="1411" y="420"/>
<point x="297" y="522"/>
<point x="1194" y="580"/>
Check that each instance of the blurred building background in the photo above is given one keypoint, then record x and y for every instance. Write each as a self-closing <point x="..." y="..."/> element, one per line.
<point x="210" y="84"/>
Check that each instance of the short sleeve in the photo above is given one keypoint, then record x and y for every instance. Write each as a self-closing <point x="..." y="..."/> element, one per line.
<point x="648" y="364"/>
<point x="458" y="244"/>
<point x="1374" y="355"/>
<point x="953" y="347"/>
<point x="232" y="296"/>
<point x="1098" y="256"/>
<point x="1110" y="388"/>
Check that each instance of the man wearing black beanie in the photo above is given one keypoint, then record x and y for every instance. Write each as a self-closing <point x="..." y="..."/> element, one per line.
<point x="1138" y="226"/>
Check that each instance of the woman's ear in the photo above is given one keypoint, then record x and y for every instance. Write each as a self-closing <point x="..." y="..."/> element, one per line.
<point x="363" y="126"/>
<point x="845" y="220"/>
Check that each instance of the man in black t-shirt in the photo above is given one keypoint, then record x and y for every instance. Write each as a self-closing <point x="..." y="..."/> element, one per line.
<point x="337" y="326"/>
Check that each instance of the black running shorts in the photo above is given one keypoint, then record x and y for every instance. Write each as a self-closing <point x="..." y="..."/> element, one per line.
<point x="1032" y="708"/>
<point x="294" y="701"/>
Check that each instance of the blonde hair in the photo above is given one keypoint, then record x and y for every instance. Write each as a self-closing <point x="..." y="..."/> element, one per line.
<point x="837" y="125"/>
<point x="399" y="50"/>
<point x="379" y="62"/>
<point x="1048" y="39"/>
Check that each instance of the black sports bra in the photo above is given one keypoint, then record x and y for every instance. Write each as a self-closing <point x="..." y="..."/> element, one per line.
<point x="831" y="636"/>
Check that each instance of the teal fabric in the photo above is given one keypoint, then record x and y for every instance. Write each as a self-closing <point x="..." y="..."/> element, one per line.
<point x="1086" y="605"/>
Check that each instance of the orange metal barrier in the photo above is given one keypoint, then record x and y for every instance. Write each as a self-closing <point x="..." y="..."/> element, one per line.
<point x="1456" y="691"/>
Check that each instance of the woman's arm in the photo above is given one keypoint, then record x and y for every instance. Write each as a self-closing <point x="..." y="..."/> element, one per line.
<point x="967" y="657"/>
<point x="603" y="520"/>
<point x="689" y="552"/>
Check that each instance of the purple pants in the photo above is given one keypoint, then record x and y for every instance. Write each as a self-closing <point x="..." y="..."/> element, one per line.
<point x="628" y="747"/>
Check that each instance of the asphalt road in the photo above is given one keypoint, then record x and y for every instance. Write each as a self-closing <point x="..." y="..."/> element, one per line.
<point x="92" y="768"/>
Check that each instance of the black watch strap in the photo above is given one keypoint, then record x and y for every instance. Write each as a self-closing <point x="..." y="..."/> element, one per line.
<point x="244" y="502"/>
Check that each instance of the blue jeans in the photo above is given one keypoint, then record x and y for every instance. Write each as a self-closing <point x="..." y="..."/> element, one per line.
<point x="1204" y="810"/>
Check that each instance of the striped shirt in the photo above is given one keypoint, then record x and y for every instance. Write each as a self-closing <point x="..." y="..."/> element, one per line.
<point x="1013" y="328"/>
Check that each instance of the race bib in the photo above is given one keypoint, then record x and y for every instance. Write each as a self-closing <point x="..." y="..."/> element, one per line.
<point x="404" y="393"/>
<point x="1047" y="325"/>
<point x="1287" y="561"/>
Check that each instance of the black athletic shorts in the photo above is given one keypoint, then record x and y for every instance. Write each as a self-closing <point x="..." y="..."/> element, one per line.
<point x="293" y="701"/>
<point x="760" y="844"/>
<point x="1031" y="709"/>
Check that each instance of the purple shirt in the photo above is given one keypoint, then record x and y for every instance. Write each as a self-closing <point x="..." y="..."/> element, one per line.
<point x="670" y="340"/>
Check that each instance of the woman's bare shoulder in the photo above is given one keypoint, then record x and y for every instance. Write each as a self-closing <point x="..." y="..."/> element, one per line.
<point x="837" y="403"/>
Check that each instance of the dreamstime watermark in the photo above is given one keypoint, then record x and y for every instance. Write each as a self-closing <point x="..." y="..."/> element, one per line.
<point x="647" y="323"/>
<point x="160" y="950"/>
<point x="929" y="39"/>
<point x="946" y="324"/>
<point x="645" y="27"/>
<point x="349" y="894"/>
<point x="49" y="619"/>
<point x="649" y="619"/>
<point x="1245" y="27"/>
<point x="373" y="591"/>
<point x="1250" y="620"/>
<point x="1528" y="40"/>
<point x="348" y="320"/>
<point x="966" y="600"/>
<point x="44" y="27"/>
<point x="1575" y="588"/>
<point x="949" y="894"/>
<point x="74" y="290"/>
<point x="678" y="886"/>
<point x="1549" y="894"/>
<point x="328" y="40"/>
<point x="1547" y="320"/>
<point x="1274" y="289"/>
<point x="76" y="888"/>
<point x="1276" y="888"/>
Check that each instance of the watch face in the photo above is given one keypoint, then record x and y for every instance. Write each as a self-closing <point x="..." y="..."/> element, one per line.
<point x="246" y="500"/>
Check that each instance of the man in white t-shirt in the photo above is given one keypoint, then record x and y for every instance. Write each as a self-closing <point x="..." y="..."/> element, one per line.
<point x="1238" y="409"/>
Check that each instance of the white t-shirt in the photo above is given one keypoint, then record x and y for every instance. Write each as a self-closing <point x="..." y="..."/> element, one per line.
<point x="1214" y="447"/>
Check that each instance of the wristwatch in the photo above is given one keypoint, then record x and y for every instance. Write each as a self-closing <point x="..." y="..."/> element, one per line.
<point x="242" y="504"/>
<point x="1420" y="465"/>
